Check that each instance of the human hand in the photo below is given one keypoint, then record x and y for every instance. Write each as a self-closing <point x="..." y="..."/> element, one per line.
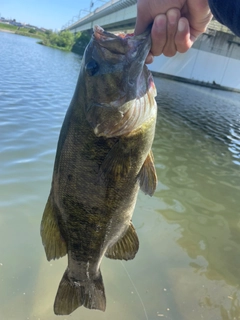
<point x="176" y="24"/>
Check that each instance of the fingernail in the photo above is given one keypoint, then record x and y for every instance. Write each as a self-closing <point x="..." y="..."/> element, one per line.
<point x="173" y="16"/>
<point x="160" y="22"/>
<point x="149" y="59"/>
<point x="181" y="26"/>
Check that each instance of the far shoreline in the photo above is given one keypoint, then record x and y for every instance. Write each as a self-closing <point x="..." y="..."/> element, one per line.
<point x="6" y="30"/>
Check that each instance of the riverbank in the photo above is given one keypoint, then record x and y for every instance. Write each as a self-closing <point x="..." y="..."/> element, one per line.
<point x="5" y="30"/>
<point x="5" y="27"/>
<point x="65" y="40"/>
<point x="28" y="32"/>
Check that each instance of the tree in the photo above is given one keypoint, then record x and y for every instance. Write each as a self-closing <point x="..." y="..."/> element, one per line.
<point x="32" y="30"/>
<point x="65" y="39"/>
<point x="48" y="32"/>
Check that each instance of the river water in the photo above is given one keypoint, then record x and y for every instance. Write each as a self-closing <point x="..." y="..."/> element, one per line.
<point x="188" y="264"/>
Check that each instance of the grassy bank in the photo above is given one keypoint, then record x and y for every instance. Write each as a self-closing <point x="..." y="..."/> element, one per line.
<point x="64" y="40"/>
<point x="29" y="32"/>
<point x="9" y="27"/>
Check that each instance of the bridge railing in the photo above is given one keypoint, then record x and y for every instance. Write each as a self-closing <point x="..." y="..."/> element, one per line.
<point x="107" y="8"/>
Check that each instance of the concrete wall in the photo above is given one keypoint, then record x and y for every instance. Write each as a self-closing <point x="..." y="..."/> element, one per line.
<point x="217" y="59"/>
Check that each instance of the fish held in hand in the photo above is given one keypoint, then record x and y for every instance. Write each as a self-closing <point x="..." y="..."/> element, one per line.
<point x="103" y="158"/>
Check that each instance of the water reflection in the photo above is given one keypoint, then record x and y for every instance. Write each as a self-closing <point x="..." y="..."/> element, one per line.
<point x="201" y="195"/>
<point x="215" y="112"/>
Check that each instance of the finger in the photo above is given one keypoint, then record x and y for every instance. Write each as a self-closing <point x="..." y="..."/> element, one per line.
<point x="140" y="26"/>
<point x="149" y="58"/>
<point x="143" y="20"/>
<point x="173" y="16"/>
<point x="158" y="34"/>
<point x="183" y="39"/>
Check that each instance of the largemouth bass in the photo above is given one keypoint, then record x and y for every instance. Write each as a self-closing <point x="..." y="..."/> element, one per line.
<point x="103" y="158"/>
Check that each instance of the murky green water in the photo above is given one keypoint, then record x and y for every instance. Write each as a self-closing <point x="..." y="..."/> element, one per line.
<point x="188" y="265"/>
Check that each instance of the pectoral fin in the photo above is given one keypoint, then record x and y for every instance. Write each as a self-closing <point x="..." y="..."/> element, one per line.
<point x="54" y="245"/>
<point x="148" y="176"/>
<point x="126" y="248"/>
<point x="116" y="165"/>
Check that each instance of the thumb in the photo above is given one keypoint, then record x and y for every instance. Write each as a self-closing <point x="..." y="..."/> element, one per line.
<point x="142" y="22"/>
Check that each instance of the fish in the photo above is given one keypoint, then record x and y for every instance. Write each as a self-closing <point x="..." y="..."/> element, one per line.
<point x="104" y="156"/>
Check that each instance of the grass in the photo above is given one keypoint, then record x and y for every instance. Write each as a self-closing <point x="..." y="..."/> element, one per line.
<point x="8" y="27"/>
<point x="23" y="31"/>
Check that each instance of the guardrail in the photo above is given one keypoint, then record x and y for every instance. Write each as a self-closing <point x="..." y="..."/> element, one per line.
<point x="107" y="8"/>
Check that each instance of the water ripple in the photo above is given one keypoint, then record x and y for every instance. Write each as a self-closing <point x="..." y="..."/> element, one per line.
<point x="33" y="104"/>
<point x="217" y="113"/>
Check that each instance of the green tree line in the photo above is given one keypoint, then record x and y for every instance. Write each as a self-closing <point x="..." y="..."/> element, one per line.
<point x="63" y="40"/>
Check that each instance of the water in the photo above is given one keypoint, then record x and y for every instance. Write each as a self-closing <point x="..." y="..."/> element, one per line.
<point x="188" y="264"/>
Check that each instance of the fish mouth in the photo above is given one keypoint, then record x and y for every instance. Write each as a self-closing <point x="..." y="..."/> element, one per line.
<point x="100" y="34"/>
<point x="124" y="43"/>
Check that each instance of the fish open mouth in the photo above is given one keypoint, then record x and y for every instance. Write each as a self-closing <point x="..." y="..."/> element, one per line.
<point x="101" y="34"/>
<point x="122" y="43"/>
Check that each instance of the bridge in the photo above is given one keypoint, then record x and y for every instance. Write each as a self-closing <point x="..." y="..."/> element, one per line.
<point x="113" y="15"/>
<point x="116" y="15"/>
<point x="212" y="61"/>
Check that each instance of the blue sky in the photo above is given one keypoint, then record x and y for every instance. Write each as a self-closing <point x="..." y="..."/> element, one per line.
<point x="49" y="14"/>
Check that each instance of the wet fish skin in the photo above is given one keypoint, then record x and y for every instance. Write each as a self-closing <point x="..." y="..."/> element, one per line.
<point x="103" y="158"/>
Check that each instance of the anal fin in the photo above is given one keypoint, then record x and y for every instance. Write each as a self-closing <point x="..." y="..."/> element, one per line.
<point x="53" y="242"/>
<point x="148" y="176"/>
<point x="126" y="248"/>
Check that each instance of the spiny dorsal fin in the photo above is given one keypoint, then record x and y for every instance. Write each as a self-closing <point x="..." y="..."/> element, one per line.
<point x="126" y="248"/>
<point x="148" y="176"/>
<point x="54" y="244"/>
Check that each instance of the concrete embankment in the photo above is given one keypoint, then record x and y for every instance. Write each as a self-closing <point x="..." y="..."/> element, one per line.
<point x="212" y="85"/>
<point x="213" y="61"/>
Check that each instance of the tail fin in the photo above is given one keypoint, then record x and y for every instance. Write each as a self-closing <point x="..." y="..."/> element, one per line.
<point x="72" y="295"/>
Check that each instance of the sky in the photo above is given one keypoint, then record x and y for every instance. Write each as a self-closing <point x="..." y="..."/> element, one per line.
<point x="49" y="14"/>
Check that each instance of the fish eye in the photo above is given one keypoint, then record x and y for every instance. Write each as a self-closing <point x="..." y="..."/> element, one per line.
<point x="92" y="67"/>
